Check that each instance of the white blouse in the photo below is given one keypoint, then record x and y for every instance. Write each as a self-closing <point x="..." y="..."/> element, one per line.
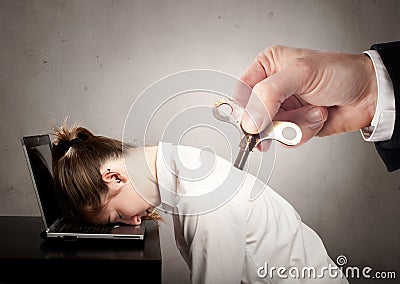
<point x="225" y="237"/>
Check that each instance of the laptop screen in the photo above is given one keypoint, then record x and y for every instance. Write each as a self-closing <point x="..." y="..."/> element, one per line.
<point x="38" y="151"/>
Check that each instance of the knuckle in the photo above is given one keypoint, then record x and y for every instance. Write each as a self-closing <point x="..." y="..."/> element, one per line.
<point x="271" y="52"/>
<point x="269" y="58"/>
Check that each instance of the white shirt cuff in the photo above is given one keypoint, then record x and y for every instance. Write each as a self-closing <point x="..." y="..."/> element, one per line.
<point x="382" y="124"/>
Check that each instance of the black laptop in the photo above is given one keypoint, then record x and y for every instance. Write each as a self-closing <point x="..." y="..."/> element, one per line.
<point x="37" y="151"/>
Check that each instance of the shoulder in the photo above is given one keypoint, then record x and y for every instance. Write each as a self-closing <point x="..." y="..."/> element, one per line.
<point x="190" y="157"/>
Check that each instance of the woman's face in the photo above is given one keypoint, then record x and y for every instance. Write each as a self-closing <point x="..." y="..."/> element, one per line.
<point x="127" y="206"/>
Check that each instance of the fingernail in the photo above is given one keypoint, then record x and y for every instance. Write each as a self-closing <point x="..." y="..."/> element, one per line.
<point x="314" y="115"/>
<point x="316" y="126"/>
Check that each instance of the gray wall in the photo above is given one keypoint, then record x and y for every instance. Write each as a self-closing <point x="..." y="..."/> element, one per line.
<point x="89" y="60"/>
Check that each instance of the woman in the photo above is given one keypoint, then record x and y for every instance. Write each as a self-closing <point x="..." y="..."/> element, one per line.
<point x="234" y="240"/>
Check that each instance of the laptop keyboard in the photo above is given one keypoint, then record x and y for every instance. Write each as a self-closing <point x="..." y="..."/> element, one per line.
<point x="86" y="229"/>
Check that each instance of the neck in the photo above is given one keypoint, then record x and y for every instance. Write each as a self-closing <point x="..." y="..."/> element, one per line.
<point x="140" y="164"/>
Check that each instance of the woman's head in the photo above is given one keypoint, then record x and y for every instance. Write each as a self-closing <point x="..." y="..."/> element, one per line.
<point x="79" y="157"/>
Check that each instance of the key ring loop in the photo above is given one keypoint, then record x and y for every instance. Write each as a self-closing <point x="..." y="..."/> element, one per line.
<point x="228" y="110"/>
<point x="276" y="131"/>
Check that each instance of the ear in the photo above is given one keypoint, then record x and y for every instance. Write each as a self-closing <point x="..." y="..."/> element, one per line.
<point x="111" y="177"/>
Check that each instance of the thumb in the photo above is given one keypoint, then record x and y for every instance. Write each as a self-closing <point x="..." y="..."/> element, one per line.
<point x="268" y="95"/>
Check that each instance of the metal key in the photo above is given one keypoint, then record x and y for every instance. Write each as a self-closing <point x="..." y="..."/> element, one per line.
<point x="229" y="110"/>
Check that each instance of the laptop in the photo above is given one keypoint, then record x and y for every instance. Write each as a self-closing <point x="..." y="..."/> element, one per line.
<point x="37" y="151"/>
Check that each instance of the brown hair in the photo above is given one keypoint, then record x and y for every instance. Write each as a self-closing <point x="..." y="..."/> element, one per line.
<point x="77" y="156"/>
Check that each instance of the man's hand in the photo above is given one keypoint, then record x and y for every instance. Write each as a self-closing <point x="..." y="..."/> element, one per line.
<point x="324" y="93"/>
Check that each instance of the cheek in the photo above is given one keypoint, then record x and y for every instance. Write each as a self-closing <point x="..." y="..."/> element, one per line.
<point x="140" y="204"/>
<point x="132" y="202"/>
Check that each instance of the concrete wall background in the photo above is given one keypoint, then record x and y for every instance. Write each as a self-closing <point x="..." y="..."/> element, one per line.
<point x="89" y="60"/>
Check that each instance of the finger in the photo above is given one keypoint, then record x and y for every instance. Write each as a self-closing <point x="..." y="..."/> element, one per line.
<point x="254" y="73"/>
<point x="266" y="63"/>
<point x="250" y="77"/>
<point x="264" y="145"/>
<point x="270" y="61"/>
<point x="270" y="93"/>
<point x="241" y="92"/>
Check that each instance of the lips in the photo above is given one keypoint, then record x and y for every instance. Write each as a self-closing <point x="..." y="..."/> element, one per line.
<point x="147" y="212"/>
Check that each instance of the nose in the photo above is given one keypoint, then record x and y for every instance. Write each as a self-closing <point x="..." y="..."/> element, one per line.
<point x="135" y="220"/>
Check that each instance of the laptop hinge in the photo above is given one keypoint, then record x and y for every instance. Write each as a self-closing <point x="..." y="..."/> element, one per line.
<point x="54" y="225"/>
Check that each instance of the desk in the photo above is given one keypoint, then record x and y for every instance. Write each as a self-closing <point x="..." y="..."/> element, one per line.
<point x="25" y="257"/>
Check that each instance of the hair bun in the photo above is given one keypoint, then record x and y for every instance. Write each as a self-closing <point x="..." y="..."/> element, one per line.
<point x="82" y="136"/>
<point x="68" y="136"/>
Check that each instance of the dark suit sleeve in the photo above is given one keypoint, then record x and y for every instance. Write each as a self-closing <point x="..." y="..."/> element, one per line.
<point x="389" y="150"/>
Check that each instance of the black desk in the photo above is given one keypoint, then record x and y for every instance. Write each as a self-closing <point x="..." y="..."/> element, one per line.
<point x="25" y="257"/>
